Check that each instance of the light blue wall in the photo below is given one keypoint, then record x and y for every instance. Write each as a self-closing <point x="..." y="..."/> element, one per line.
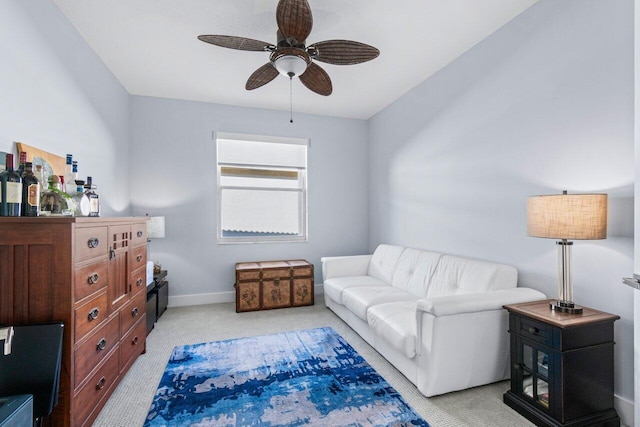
<point x="58" y="96"/>
<point x="545" y="104"/>
<point x="176" y="177"/>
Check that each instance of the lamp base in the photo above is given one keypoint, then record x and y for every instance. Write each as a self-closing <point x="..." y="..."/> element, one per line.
<point x="566" y="307"/>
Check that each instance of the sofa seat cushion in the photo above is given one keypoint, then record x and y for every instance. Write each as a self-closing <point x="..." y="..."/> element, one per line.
<point x="358" y="300"/>
<point x="334" y="287"/>
<point x="395" y="322"/>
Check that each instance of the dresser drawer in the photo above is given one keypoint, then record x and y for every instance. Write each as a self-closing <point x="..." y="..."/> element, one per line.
<point x="133" y="343"/>
<point x="138" y="257"/>
<point x="90" y="278"/>
<point x="89" y="354"/>
<point x="133" y="311"/>
<point x="96" y="390"/>
<point x="138" y="279"/>
<point x="139" y="233"/>
<point x="91" y="242"/>
<point x="89" y="315"/>
<point x="534" y="330"/>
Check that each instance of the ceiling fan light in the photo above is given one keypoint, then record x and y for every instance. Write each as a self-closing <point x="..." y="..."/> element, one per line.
<point x="290" y="65"/>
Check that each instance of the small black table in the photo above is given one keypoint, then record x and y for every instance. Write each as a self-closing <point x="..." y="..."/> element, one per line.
<point x="157" y="298"/>
<point x="561" y="366"/>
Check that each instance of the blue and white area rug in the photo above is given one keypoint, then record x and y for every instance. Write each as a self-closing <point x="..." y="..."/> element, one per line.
<point x="311" y="377"/>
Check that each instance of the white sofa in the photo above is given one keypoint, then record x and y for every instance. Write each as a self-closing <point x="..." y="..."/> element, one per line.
<point x="437" y="318"/>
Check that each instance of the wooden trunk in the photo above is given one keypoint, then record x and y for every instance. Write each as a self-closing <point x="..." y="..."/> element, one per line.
<point x="267" y="285"/>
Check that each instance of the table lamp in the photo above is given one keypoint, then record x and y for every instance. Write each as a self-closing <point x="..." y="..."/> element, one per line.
<point x="155" y="227"/>
<point x="567" y="217"/>
<point x="155" y="230"/>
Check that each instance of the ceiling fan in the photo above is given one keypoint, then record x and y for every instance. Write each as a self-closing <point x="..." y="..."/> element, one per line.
<point x="290" y="56"/>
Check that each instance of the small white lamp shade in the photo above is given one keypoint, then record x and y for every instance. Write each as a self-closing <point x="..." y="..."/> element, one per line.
<point x="155" y="227"/>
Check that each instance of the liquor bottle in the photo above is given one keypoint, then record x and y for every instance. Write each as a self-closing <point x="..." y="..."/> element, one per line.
<point x="69" y="185"/>
<point x="53" y="200"/>
<point x="62" y="187"/>
<point x="74" y="172"/>
<point x="81" y="201"/>
<point x="30" y="192"/>
<point x="89" y="190"/>
<point x="11" y="189"/>
<point x="22" y="162"/>
<point x="39" y="173"/>
<point x="70" y="180"/>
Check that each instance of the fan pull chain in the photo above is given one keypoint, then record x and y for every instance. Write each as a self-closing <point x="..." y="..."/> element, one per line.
<point x="291" y="97"/>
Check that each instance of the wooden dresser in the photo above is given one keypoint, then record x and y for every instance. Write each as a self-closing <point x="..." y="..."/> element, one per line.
<point x="88" y="273"/>
<point x="273" y="284"/>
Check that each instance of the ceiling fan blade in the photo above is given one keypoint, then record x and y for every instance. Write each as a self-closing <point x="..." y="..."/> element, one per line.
<point x="261" y="76"/>
<point x="317" y="80"/>
<point x="342" y="52"/>
<point x="294" y="19"/>
<point x="240" y="43"/>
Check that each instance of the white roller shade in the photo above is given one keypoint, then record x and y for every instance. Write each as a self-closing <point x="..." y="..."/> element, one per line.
<point x="260" y="211"/>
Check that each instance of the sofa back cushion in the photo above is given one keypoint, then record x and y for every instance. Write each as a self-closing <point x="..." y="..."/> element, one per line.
<point x="414" y="271"/>
<point x="383" y="262"/>
<point x="457" y="275"/>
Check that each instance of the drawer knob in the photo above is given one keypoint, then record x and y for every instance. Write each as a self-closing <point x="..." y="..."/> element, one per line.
<point x="102" y="344"/>
<point x="134" y="341"/>
<point x="101" y="383"/>
<point x="533" y="330"/>
<point x="139" y="282"/>
<point x="277" y="281"/>
<point x="139" y="258"/>
<point x="93" y="242"/>
<point x="93" y="314"/>
<point x="93" y="278"/>
<point x="139" y="233"/>
<point x="134" y="312"/>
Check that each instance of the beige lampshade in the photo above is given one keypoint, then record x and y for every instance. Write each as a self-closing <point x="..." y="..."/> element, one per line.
<point x="567" y="216"/>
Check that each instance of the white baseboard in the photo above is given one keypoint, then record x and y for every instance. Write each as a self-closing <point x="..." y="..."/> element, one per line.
<point x="625" y="410"/>
<point x="214" y="298"/>
<point x="201" y="299"/>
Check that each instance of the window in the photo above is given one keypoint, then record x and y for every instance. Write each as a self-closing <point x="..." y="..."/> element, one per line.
<point x="262" y="188"/>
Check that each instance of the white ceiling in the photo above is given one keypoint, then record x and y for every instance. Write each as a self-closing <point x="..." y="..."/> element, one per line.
<point x="151" y="47"/>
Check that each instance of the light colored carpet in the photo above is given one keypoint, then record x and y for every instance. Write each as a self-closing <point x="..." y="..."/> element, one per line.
<point x="129" y="404"/>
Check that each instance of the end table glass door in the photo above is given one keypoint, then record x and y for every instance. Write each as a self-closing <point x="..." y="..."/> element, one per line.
<point x="535" y="375"/>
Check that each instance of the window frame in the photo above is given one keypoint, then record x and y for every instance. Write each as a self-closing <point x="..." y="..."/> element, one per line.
<point x="303" y="210"/>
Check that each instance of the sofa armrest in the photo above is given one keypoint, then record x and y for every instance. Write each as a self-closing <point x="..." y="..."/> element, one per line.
<point x="472" y="303"/>
<point x="465" y="336"/>
<point x="340" y="266"/>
